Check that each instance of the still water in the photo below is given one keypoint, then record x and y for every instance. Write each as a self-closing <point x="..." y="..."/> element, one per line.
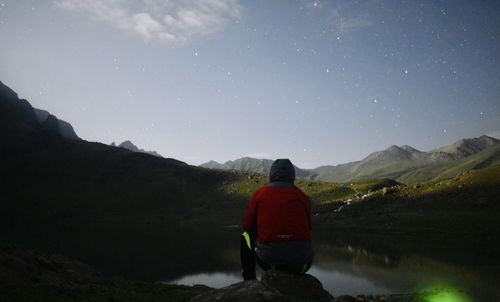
<point x="352" y="271"/>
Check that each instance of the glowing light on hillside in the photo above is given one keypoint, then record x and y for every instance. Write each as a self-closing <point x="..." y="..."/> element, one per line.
<point x="446" y="295"/>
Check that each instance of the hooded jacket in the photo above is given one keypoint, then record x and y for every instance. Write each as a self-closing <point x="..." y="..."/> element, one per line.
<point x="279" y="212"/>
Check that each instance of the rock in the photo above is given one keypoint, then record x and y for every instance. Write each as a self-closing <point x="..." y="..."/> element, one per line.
<point x="387" y="191"/>
<point x="388" y="183"/>
<point x="274" y="286"/>
<point x="246" y="291"/>
<point x="296" y="286"/>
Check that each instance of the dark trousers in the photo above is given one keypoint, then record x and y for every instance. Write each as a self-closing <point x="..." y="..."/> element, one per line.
<point x="248" y="259"/>
<point x="247" y="256"/>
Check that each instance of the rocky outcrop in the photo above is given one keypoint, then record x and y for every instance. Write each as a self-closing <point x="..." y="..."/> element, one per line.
<point x="274" y="286"/>
<point x="130" y="146"/>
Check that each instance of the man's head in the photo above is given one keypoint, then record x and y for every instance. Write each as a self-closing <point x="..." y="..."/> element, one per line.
<point x="282" y="170"/>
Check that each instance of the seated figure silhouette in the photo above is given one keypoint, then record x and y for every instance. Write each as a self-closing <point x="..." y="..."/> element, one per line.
<point x="277" y="226"/>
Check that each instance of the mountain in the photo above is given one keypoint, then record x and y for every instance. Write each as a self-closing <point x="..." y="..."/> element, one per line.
<point x="130" y="146"/>
<point x="447" y="169"/>
<point x="249" y="164"/>
<point x="19" y="118"/>
<point x="467" y="147"/>
<point x="213" y="165"/>
<point x="64" y="128"/>
<point x="403" y="163"/>
<point x="246" y="164"/>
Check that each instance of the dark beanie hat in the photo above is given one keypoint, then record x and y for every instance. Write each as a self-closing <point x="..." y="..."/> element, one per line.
<point x="282" y="170"/>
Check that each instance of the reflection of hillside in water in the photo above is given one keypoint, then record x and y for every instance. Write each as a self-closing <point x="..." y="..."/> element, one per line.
<point x="346" y="269"/>
<point x="355" y="255"/>
<point x="396" y="273"/>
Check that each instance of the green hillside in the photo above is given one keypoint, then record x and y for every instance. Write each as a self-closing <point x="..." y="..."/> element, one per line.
<point x="460" y="212"/>
<point x="485" y="158"/>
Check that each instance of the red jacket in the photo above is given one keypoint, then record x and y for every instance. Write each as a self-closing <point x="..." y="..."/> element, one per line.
<point x="279" y="213"/>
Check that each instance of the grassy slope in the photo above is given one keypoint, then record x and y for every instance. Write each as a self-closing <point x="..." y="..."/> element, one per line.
<point x="408" y="171"/>
<point x="455" y="218"/>
<point x="485" y="158"/>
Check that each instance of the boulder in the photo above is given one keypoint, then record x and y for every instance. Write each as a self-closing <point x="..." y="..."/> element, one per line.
<point x="274" y="286"/>
<point x="304" y="287"/>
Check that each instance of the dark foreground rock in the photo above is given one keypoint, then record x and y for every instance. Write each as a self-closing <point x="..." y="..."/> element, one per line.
<point x="274" y="286"/>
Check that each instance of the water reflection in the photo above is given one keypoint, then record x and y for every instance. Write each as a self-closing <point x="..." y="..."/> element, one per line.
<point x="215" y="280"/>
<point x="337" y="282"/>
<point x="351" y="270"/>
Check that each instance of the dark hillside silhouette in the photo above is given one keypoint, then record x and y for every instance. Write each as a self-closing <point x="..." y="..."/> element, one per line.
<point x="99" y="203"/>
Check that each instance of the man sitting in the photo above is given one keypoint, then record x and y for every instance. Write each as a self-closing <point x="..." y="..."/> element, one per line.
<point x="277" y="225"/>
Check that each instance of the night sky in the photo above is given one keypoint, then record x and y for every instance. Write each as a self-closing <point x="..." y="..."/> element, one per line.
<point x="319" y="82"/>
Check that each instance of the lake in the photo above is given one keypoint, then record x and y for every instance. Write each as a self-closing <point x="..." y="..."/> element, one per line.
<point x="351" y="270"/>
<point x="345" y="262"/>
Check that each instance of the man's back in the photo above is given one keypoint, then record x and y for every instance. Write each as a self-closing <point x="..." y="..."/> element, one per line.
<point x="279" y="213"/>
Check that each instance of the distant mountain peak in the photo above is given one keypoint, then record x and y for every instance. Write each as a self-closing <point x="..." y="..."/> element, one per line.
<point x="250" y="164"/>
<point x="132" y="147"/>
<point x="467" y="146"/>
<point x="393" y="162"/>
<point x="410" y="149"/>
<point x="129" y="145"/>
<point x="403" y="148"/>
<point x="393" y="148"/>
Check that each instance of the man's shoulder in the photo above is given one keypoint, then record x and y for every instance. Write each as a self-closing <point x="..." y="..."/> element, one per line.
<point x="260" y="190"/>
<point x="278" y="189"/>
<point x="300" y="191"/>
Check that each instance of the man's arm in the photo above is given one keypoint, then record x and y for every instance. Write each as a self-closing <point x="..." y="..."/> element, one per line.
<point x="309" y="215"/>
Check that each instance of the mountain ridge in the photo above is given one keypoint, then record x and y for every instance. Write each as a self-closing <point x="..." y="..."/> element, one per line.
<point x="19" y="118"/>
<point x="398" y="162"/>
<point x="132" y="147"/>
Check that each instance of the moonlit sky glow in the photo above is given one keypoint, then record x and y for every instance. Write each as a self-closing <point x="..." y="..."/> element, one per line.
<point x="319" y="82"/>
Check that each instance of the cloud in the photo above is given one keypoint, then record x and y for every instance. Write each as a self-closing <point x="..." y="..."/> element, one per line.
<point x="165" y="21"/>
